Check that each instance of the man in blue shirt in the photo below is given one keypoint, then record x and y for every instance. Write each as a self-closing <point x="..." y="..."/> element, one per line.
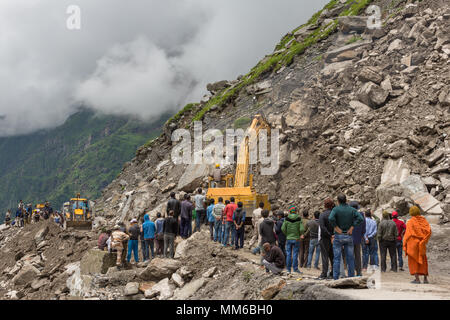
<point x="211" y="218"/>
<point x="370" y="247"/>
<point x="239" y="222"/>
<point x="344" y="219"/>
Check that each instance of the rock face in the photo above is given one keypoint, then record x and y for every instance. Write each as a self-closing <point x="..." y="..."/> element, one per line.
<point x="193" y="177"/>
<point x="299" y="114"/>
<point x="159" y="269"/>
<point x="40" y="235"/>
<point x="96" y="261"/>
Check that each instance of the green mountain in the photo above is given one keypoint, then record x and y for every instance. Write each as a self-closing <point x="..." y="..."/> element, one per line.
<point x="83" y="155"/>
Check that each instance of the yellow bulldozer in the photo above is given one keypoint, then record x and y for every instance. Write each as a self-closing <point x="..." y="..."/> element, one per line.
<point x="78" y="213"/>
<point x="240" y="185"/>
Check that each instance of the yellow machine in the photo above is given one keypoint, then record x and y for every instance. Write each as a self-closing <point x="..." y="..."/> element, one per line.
<point x="78" y="213"/>
<point x="240" y="186"/>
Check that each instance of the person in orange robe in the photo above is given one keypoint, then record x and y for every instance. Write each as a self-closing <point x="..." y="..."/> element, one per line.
<point x="418" y="232"/>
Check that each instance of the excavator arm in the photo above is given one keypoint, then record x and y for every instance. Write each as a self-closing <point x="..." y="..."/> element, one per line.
<point x="242" y="166"/>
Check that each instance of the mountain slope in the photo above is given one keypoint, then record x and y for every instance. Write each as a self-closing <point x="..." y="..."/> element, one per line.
<point x="83" y="155"/>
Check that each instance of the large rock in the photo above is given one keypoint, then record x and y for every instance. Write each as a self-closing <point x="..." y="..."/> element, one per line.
<point x="394" y="172"/>
<point x="371" y="74"/>
<point x="189" y="289"/>
<point x="333" y="54"/>
<point x="40" y="235"/>
<point x="336" y="67"/>
<point x="427" y="203"/>
<point x="372" y="95"/>
<point x="192" y="177"/>
<point x="352" y="23"/>
<point x="272" y="290"/>
<point x="96" y="261"/>
<point x="178" y="280"/>
<point x="163" y="289"/>
<point x="299" y="114"/>
<point x="26" y="275"/>
<point x="359" y="107"/>
<point x="131" y="288"/>
<point x="345" y="283"/>
<point x="159" y="269"/>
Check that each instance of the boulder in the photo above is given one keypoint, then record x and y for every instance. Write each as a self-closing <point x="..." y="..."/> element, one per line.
<point x="435" y="157"/>
<point x="159" y="269"/>
<point x="121" y="278"/>
<point x="131" y="288"/>
<point x="431" y="182"/>
<point x="352" y="23"/>
<point x="427" y="203"/>
<point x="395" y="45"/>
<point x="163" y="289"/>
<point x="299" y="114"/>
<point x="336" y="67"/>
<point x="401" y="205"/>
<point x="40" y="235"/>
<point x="210" y="272"/>
<point x="37" y="283"/>
<point x="26" y="275"/>
<point x="372" y="95"/>
<point x="192" y="177"/>
<point x="178" y="280"/>
<point x="96" y="261"/>
<point x="189" y="289"/>
<point x="359" y="107"/>
<point x="371" y="74"/>
<point x="412" y="185"/>
<point x="169" y="187"/>
<point x="329" y="56"/>
<point x="185" y="273"/>
<point x="347" y="283"/>
<point x="217" y="86"/>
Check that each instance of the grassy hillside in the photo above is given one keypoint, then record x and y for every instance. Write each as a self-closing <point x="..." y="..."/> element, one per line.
<point x="83" y="155"/>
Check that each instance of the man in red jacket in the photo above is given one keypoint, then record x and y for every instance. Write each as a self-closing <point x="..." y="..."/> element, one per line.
<point x="401" y="228"/>
<point x="228" y="212"/>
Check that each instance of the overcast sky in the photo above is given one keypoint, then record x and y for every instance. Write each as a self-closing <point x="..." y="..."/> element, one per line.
<point x="139" y="57"/>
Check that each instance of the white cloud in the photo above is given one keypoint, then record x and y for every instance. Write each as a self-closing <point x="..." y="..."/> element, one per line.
<point x="130" y="57"/>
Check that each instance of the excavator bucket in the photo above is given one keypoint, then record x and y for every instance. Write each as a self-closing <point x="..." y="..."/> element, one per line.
<point x="80" y="225"/>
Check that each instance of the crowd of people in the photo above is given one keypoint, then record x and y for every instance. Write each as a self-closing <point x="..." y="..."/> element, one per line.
<point x="342" y="235"/>
<point x="25" y="214"/>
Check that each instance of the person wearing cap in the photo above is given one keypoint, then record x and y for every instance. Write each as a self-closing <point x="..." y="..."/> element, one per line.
<point x="344" y="219"/>
<point x="217" y="176"/>
<point x="401" y="228"/>
<point x="133" y="243"/>
<point x="387" y="234"/>
<point x="418" y="232"/>
<point x="358" y="237"/>
<point x="293" y="228"/>
<point x="118" y="237"/>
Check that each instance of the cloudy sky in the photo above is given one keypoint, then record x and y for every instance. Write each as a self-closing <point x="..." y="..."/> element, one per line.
<point x="139" y="57"/>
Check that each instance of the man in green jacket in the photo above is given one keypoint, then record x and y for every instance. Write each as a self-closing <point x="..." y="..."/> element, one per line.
<point x="343" y="219"/>
<point x="293" y="228"/>
<point x="387" y="234"/>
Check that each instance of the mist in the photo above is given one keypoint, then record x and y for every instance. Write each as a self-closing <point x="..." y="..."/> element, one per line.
<point x="134" y="57"/>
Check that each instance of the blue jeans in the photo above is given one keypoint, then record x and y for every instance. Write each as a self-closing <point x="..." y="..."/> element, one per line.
<point x="313" y="246"/>
<point x="239" y="238"/>
<point x="370" y="250"/>
<point x="229" y="226"/>
<point x="399" y="245"/>
<point x="346" y="241"/>
<point x="149" y="244"/>
<point x="292" y="247"/>
<point x="133" y="246"/>
<point x="218" y="230"/>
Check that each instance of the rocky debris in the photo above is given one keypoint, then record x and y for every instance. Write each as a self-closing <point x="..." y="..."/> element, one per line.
<point x="169" y="187"/>
<point x="210" y="272"/>
<point x="193" y="177"/>
<point x="96" y="261"/>
<point x="178" y="280"/>
<point x="40" y="235"/>
<point x="131" y="288"/>
<point x="217" y="86"/>
<point x="346" y="52"/>
<point x="163" y="289"/>
<point x="159" y="269"/>
<point x="26" y="275"/>
<point x="299" y="114"/>
<point x="271" y="291"/>
<point x="372" y="95"/>
<point x="348" y="24"/>
<point x="307" y="290"/>
<point x="189" y="289"/>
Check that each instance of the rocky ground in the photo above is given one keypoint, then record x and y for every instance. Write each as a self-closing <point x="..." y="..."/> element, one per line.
<point x="361" y="112"/>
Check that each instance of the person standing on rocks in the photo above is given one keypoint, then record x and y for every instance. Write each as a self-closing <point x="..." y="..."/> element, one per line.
<point x="273" y="258"/>
<point x="358" y="237"/>
<point x="370" y="246"/>
<point x="344" y="219"/>
<point x="104" y="236"/>
<point x="304" y="241"/>
<point x="175" y="205"/>
<point x="186" y="216"/>
<point x="280" y="235"/>
<point x="267" y="229"/>
<point x="133" y="243"/>
<point x="218" y="216"/>
<point x="401" y="228"/>
<point x="239" y="224"/>
<point x="293" y="228"/>
<point x="229" y="227"/>
<point x="199" y="200"/>
<point x="159" y="237"/>
<point x="170" y="229"/>
<point x="387" y="234"/>
<point x="118" y="237"/>
<point x="255" y="218"/>
<point x="149" y="229"/>
<point x="313" y="230"/>
<point x="418" y="232"/>
<point x="211" y="218"/>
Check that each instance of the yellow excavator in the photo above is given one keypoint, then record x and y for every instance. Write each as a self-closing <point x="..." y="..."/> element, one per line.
<point x="78" y="213"/>
<point x="240" y="185"/>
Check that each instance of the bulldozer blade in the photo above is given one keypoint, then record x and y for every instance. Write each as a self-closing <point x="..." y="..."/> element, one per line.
<point x="81" y="225"/>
